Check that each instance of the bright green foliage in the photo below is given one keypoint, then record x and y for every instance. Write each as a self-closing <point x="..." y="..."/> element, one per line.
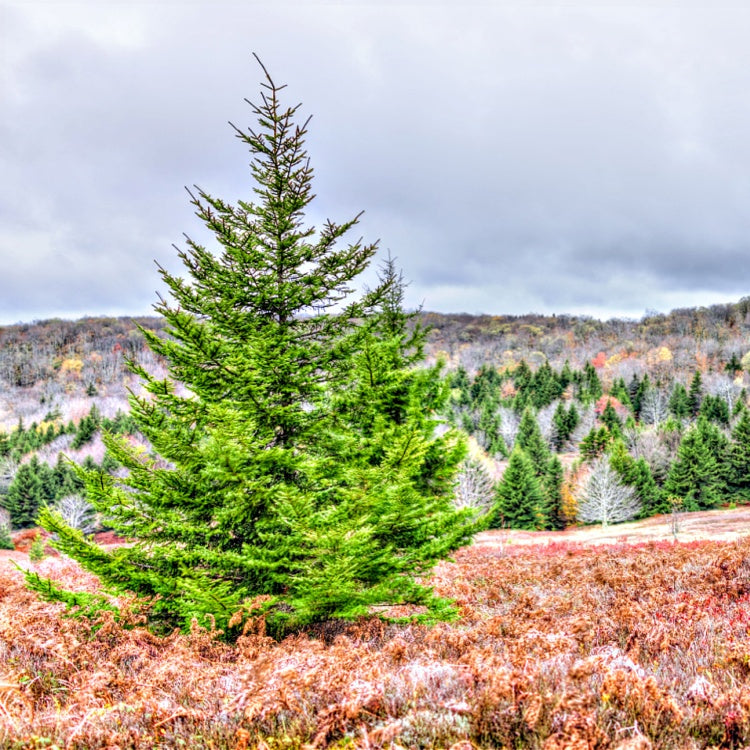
<point x="695" y="476"/>
<point x="595" y="443"/>
<point x="739" y="459"/>
<point x="519" y="500"/>
<point x="301" y="476"/>
<point x="37" y="549"/>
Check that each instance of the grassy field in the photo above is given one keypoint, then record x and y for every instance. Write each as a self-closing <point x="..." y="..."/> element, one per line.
<point x="561" y="644"/>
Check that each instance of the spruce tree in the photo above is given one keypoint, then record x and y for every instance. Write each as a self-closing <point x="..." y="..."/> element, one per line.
<point x="25" y="495"/>
<point x="300" y="478"/>
<point x="695" y="476"/>
<point x="679" y="403"/>
<point x="739" y="459"/>
<point x="695" y="394"/>
<point x="519" y="500"/>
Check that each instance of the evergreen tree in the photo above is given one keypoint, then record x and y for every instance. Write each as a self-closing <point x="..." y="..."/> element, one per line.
<point x="637" y="474"/>
<point x="644" y="386"/>
<point x="6" y="540"/>
<point x="530" y="440"/>
<point x="565" y="422"/>
<point x="733" y="366"/>
<point x="714" y="409"/>
<point x="739" y="459"/>
<point x="301" y="479"/>
<point x="694" y="476"/>
<point x="620" y="391"/>
<point x="695" y="394"/>
<point x="679" y="403"/>
<point x="611" y="420"/>
<point x="552" y="488"/>
<point x="519" y="500"/>
<point x="25" y="495"/>
<point x="595" y="443"/>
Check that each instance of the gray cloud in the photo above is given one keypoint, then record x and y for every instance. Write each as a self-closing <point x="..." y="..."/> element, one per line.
<point x="571" y="158"/>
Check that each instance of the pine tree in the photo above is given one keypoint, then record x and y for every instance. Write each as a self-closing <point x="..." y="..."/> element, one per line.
<point x="637" y="474"/>
<point x="25" y="495"/>
<point x="695" y="476"/>
<point x="6" y="540"/>
<point x="530" y="440"/>
<point x="610" y="419"/>
<point x="301" y="479"/>
<point x="519" y="500"/>
<point x="695" y="394"/>
<point x="679" y="403"/>
<point x="739" y="459"/>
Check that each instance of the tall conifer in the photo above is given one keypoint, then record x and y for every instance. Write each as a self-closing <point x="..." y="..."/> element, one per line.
<point x="297" y="473"/>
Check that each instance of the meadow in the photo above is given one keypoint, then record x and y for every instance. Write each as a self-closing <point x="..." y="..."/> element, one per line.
<point x="558" y="645"/>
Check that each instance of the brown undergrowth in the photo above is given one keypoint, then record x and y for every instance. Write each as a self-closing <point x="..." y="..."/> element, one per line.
<point x="558" y="646"/>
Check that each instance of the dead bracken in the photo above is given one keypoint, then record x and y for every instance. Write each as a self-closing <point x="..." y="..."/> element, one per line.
<point x="557" y="646"/>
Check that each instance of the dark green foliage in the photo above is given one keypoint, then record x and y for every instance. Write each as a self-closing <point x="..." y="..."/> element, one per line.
<point x="565" y="421"/>
<point x="301" y="479"/>
<point x="91" y="390"/>
<point x="545" y="386"/>
<point x="637" y="474"/>
<point x="611" y="420"/>
<point x="590" y="388"/>
<point x="739" y="459"/>
<point x="6" y="541"/>
<point x="25" y="495"/>
<point x="733" y="366"/>
<point x="679" y="402"/>
<point x="714" y="409"/>
<point x="695" y="394"/>
<point x="520" y="502"/>
<point x="695" y="476"/>
<point x="530" y="440"/>
<point x="552" y="487"/>
<point x="620" y="391"/>
<point x="87" y="428"/>
<point x="643" y="387"/>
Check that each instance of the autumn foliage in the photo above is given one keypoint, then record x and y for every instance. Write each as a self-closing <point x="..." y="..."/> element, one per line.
<point x="558" y="646"/>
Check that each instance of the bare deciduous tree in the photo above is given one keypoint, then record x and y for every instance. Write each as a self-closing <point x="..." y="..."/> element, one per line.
<point x="654" y="407"/>
<point x="474" y="487"/>
<point x="509" y="422"/>
<point x="605" y="499"/>
<point x="77" y="513"/>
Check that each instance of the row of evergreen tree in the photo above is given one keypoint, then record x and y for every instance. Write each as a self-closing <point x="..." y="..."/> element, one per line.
<point x="22" y="440"/>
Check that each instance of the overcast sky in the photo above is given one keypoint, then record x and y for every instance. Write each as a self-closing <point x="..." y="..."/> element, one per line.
<point x="568" y="157"/>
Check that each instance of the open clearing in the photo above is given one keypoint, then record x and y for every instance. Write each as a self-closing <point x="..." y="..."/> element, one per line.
<point x="724" y="525"/>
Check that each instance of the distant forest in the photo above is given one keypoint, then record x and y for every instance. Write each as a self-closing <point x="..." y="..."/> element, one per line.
<point x="570" y="419"/>
<point x="91" y="351"/>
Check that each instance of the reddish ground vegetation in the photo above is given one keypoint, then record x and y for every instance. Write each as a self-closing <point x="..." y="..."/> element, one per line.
<point x="558" y="646"/>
